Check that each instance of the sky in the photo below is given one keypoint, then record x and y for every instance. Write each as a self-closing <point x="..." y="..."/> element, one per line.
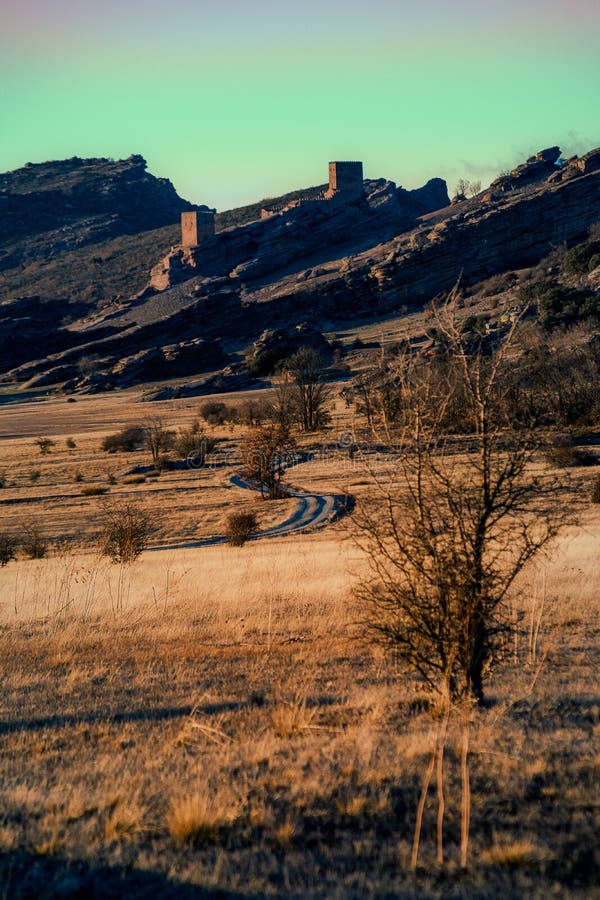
<point x="235" y="101"/>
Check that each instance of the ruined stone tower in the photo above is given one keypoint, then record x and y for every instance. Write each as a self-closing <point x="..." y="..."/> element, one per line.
<point x="345" y="180"/>
<point x="197" y="228"/>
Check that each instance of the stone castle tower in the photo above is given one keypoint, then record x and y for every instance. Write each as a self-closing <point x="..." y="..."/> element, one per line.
<point x="197" y="228"/>
<point x="345" y="180"/>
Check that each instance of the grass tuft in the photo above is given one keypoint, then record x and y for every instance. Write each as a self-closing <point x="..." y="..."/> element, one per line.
<point x="200" y="818"/>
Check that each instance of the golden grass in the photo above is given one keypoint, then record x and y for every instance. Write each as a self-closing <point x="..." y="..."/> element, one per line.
<point x="201" y="817"/>
<point x="292" y="717"/>
<point x="515" y="854"/>
<point x="225" y="724"/>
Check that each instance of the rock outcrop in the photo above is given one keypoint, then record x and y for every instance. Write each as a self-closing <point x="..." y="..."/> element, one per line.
<point x="392" y="250"/>
<point x="302" y="231"/>
<point x="76" y="202"/>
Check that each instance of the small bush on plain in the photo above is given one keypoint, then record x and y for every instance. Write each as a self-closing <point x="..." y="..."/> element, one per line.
<point x="33" y="543"/>
<point x="239" y="528"/>
<point x="126" y="531"/>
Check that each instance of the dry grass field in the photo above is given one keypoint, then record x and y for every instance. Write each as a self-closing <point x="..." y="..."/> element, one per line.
<point x="213" y="721"/>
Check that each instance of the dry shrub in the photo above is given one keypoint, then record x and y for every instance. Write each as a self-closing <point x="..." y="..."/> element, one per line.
<point x="239" y="528"/>
<point x="33" y="543"/>
<point x="216" y="412"/>
<point x="595" y="498"/>
<point x="124" y="821"/>
<point x="292" y="718"/>
<point x="94" y="490"/>
<point x="126" y="532"/>
<point x="8" y="548"/>
<point x="200" y="818"/>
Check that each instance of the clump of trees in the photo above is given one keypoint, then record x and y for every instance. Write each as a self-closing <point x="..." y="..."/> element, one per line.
<point x="559" y="305"/>
<point x="215" y="412"/>
<point x="465" y="188"/>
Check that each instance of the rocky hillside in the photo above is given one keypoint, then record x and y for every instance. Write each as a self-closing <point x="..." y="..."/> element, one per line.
<point x="325" y="262"/>
<point x="49" y="208"/>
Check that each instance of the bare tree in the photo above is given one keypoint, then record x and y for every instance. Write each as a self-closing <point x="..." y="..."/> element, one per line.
<point x="458" y="522"/>
<point x="266" y="452"/>
<point x="45" y="445"/>
<point x="465" y="188"/>
<point x="310" y="391"/>
<point x="284" y="406"/>
<point x="158" y="440"/>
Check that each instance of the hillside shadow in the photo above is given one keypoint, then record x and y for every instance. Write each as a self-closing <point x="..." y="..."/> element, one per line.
<point x="25" y="875"/>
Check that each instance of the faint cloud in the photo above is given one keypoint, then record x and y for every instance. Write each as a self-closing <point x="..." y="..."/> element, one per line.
<point x="483" y="170"/>
<point x="575" y="143"/>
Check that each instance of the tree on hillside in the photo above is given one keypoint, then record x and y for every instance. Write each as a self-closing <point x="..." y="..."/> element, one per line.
<point x="448" y="535"/>
<point x="310" y="391"/>
<point x="465" y="188"/>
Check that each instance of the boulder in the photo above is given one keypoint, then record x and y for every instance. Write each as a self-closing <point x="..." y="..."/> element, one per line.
<point x="276" y="345"/>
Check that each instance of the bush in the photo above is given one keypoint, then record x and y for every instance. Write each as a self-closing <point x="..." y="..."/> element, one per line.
<point x="193" y="444"/>
<point x="558" y="305"/>
<point x="78" y="477"/>
<point x="34" y="475"/>
<point x="595" y="498"/>
<point x="70" y="443"/>
<point x="3" y="479"/>
<point x="8" y="548"/>
<point x="579" y="260"/>
<point x="126" y="532"/>
<point x="94" y="490"/>
<point x="45" y="445"/>
<point x="33" y="544"/>
<point x="125" y="441"/>
<point x="239" y="528"/>
<point x="217" y="413"/>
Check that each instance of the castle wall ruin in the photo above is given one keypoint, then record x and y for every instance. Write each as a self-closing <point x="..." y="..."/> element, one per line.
<point x="345" y="183"/>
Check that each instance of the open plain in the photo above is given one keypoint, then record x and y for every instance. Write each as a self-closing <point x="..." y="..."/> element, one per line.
<point x="214" y="721"/>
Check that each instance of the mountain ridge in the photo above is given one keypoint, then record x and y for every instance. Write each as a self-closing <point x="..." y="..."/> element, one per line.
<point x="389" y="251"/>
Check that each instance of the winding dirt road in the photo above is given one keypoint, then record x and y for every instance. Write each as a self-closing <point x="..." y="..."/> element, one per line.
<point x="313" y="511"/>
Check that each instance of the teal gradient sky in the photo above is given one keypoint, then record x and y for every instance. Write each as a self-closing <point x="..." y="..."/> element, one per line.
<point x="235" y="101"/>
